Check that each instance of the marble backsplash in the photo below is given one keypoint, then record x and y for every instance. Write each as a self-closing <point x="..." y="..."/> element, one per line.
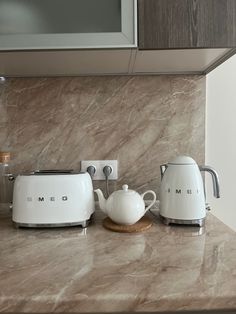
<point x="142" y="121"/>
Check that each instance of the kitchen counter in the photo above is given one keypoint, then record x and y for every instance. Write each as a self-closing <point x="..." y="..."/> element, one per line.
<point x="96" y="270"/>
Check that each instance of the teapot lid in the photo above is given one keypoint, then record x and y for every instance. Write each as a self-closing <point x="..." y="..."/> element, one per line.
<point x="125" y="188"/>
<point x="183" y="160"/>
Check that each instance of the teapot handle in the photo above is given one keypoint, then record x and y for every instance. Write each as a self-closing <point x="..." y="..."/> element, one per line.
<point x="153" y="201"/>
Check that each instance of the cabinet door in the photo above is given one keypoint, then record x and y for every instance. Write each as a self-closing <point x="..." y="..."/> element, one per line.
<point x="67" y="24"/>
<point x="165" y="24"/>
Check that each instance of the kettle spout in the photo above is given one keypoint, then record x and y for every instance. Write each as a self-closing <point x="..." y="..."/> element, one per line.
<point x="101" y="200"/>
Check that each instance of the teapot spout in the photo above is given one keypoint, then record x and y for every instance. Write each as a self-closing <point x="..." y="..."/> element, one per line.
<point x="101" y="200"/>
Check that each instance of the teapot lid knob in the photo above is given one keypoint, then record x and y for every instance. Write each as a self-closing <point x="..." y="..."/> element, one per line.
<point x="125" y="187"/>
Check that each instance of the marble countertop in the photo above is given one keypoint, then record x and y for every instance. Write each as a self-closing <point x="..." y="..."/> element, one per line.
<point x="96" y="270"/>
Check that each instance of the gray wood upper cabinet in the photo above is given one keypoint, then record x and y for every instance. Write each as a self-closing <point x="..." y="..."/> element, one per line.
<point x="179" y="24"/>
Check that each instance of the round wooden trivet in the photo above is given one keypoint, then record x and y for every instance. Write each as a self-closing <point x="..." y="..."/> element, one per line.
<point x="142" y="225"/>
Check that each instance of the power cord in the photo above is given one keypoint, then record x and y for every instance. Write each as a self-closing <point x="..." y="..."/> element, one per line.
<point x="157" y="214"/>
<point x="107" y="170"/>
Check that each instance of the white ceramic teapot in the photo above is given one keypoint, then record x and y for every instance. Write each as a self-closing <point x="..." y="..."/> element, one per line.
<point x="124" y="206"/>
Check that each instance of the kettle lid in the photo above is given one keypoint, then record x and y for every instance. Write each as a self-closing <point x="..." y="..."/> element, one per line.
<point x="183" y="160"/>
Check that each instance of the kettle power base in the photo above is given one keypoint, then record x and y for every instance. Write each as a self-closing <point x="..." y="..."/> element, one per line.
<point x="193" y="222"/>
<point x="142" y="225"/>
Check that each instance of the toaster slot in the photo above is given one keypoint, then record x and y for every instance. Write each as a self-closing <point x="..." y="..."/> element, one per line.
<point x="48" y="172"/>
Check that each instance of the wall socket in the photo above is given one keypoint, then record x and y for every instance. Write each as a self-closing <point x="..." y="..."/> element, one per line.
<point x="99" y="165"/>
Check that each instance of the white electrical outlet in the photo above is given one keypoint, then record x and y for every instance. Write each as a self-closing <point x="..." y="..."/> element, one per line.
<point x="99" y="165"/>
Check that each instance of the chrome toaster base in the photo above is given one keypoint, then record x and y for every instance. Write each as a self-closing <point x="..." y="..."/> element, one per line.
<point x="193" y="222"/>
<point x="83" y="224"/>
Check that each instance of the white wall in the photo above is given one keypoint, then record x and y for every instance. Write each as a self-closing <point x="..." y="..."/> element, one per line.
<point x="221" y="138"/>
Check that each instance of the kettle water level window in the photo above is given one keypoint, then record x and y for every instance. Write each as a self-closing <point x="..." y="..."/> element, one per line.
<point x="65" y="24"/>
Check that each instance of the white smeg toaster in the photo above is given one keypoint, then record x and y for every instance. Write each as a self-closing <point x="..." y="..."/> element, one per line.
<point x="53" y="198"/>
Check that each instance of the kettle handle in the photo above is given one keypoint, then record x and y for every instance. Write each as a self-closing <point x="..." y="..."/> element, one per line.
<point x="153" y="201"/>
<point x="163" y="169"/>
<point x="215" y="179"/>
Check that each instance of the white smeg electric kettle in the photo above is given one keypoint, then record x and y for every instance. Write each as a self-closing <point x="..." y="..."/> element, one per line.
<point x="182" y="193"/>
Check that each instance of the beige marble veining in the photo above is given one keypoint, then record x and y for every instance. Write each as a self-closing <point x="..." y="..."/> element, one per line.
<point x="95" y="270"/>
<point x="142" y="121"/>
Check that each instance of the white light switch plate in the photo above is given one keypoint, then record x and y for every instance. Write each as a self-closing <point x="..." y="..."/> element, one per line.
<point x="99" y="165"/>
